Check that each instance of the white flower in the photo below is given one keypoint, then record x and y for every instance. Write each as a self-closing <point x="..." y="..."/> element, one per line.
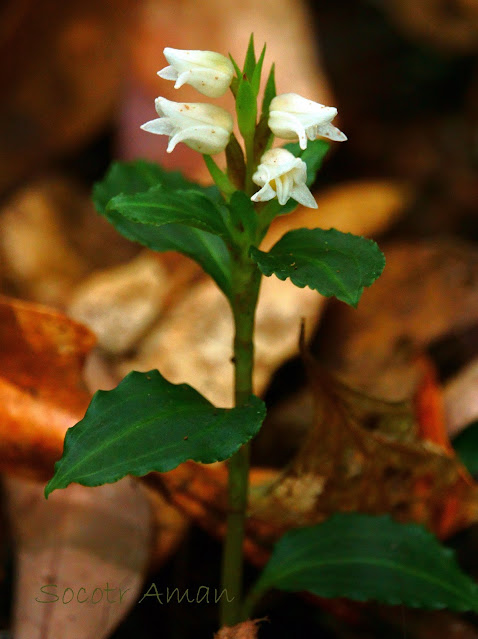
<point x="203" y="127"/>
<point x="292" y="116"/>
<point x="283" y="175"/>
<point x="208" y="72"/>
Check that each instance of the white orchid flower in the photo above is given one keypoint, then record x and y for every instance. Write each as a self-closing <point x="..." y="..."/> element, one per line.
<point x="283" y="175"/>
<point x="203" y="127"/>
<point x="292" y="116"/>
<point x="208" y="72"/>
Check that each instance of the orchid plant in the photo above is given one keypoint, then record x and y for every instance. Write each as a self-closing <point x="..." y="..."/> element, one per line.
<point x="148" y="424"/>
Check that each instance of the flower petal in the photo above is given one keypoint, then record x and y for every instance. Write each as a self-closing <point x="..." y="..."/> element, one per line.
<point x="302" y="195"/>
<point x="205" y="139"/>
<point x="265" y="194"/>
<point x="168" y="73"/>
<point x="160" y="126"/>
<point x="331" y="132"/>
<point x="287" y="126"/>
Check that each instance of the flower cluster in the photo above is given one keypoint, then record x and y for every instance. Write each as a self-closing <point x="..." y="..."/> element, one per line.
<point x="207" y="128"/>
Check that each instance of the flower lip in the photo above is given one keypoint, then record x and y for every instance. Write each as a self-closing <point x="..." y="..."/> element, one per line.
<point x="282" y="175"/>
<point x="291" y="116"/>
<point x="208" y="72"/>
<point x="203" y="127"/>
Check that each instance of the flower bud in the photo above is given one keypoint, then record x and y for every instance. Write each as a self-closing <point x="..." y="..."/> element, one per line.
<point x="283" y="175"/>
<point x="292" y="116"/>
<point x="208" y="72"/>
<point x="203" y="127"/>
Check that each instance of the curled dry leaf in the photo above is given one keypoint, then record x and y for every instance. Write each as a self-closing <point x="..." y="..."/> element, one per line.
<point x="82" y="540"/>
<point x="63" y="540"/>
<point x="360" y="454"/>
<point x="427" y="290"/>
<point x="368" y="455"/>
<point x="41" y="390"/>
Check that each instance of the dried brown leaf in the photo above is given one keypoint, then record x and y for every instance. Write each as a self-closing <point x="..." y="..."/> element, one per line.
<point x="81" y="538"/>
<point x="427" y="290"/>
<point x="41" y="390"/>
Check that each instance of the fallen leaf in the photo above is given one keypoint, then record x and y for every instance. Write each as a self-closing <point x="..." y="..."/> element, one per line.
<point x="51" y="238"/>
<point x="41" y="389"/>
<point x="361" y="454"/>
<point x="82" y="541"/>
<point x="427" y="290"/>
<point x="120" y="304"/>
<point x="368" y="455"/>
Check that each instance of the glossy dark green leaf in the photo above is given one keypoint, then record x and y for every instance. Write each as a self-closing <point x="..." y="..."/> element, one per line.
<point x="208" y="250"/>
<point x="131" y="178"/>
<point x="466" y="445"/>
<point x="148" y="424"/>
<point x="330" y="262"/>
<point x="139" y="176"/>
<point x="160" y="205"/>
<point x="366" y="557"/>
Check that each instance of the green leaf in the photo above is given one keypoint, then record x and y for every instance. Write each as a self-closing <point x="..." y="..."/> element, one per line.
<point x="269" y="93"/>
<point x="160" y="205"/>
<point x="466" y="446"/>
<point x="139" y="176"/>
<point x="130" y="178"/>
<point x="208" y="250"/>
<point x="256" y="76"/>
<point x="313" y="156"/>
<point x="365" y="557"/>
<point x="250" y="60"/>
<point x="236" y="66"/>
<point x="330" y="262"/>
<point x="246" y="109"/>
<point x="148" y="424"/>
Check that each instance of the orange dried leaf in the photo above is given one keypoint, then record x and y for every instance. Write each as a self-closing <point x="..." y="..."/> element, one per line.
<point x="41" y="390"/>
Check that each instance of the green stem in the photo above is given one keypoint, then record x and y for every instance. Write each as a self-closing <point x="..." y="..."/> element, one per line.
<point x="246" y="285"/>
